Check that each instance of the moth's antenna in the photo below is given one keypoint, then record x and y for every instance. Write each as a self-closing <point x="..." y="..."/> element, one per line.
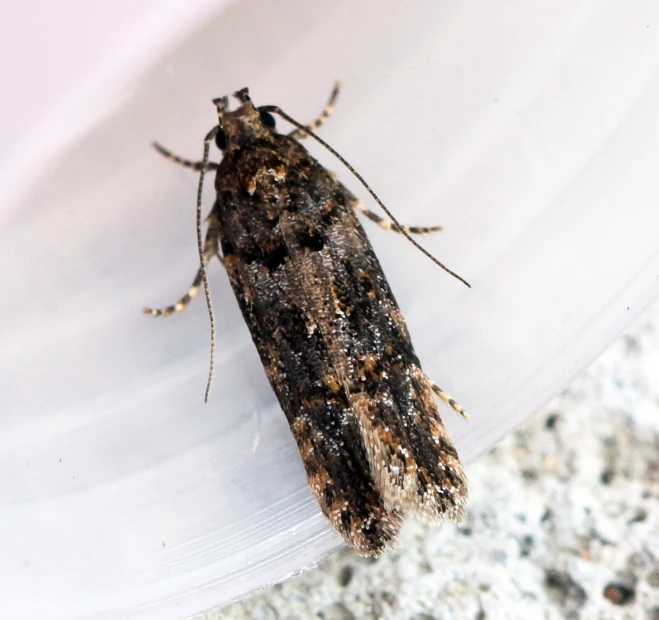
<point x="277" y="110"/>
<point x="200" y="247"/>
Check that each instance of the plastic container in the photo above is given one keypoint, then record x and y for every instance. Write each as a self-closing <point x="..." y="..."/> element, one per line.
<point x="529" y="132"/>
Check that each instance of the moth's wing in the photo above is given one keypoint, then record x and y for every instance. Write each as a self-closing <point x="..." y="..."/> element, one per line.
<point x="410" y="454"/>
<point x="295" y="358"/>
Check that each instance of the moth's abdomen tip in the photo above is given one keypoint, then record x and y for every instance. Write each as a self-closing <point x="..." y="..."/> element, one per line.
<point x="373" y="535"/>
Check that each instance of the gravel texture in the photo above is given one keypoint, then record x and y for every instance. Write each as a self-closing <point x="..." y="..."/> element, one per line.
<point x="563" y="520"/>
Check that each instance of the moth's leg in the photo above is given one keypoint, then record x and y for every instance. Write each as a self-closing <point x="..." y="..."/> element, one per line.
<point x="212" y="242"/>
<point x="195" y="165"/>
<point x="387" y="225"/>
<point x="447" y="399"/>
<point x="298" y="134"/>
<point x="210" y="250"/>
<point x="181" y="304"/>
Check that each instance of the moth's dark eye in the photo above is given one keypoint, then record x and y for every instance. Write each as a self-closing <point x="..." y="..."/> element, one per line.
<point x="221" y="139"/>
<point x="267" y="119"/>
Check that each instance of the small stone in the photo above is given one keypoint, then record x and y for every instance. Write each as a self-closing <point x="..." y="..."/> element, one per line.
<point x="619" y="594"/>
<point x="565" y="590"/>
<point x="345" y="575"/>
<point x="551" y="420"/>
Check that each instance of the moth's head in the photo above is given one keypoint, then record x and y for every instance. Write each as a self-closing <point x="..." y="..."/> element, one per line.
<point x="242" y="125"/>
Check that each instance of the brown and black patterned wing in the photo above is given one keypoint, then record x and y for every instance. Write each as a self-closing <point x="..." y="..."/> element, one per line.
<point x="411" y="457"/>
<point x="336" y="350"/>
<point x="295" y="357"/>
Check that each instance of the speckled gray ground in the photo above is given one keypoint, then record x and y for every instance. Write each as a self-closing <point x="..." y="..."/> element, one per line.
<point x="563" y="520"/>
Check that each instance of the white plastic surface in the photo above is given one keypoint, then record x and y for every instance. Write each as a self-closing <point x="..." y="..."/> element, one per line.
<point x="530" y="131"/>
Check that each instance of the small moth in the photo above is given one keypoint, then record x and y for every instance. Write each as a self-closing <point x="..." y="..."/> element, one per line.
<point x="332" y="340"/>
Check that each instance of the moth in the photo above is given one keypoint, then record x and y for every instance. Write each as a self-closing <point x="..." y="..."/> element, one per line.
<point x="331" y="337"/>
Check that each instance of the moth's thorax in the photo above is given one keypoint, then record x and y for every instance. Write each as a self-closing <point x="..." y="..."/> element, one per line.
<point x="264" y="169"/>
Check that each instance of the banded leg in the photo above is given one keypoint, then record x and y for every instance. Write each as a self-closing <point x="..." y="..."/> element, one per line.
<point x="194" y="165"/>
<point x="209" y="251"/>
<point x="387" y="225"/>
<point x="182" y="303"/>
<point x="447" y="399"/>
<point x="298" y="134"/>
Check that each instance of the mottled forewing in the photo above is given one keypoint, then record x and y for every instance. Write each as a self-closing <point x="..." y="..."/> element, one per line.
<point x="411" y="457"/>
<point x="336" y="350"/>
